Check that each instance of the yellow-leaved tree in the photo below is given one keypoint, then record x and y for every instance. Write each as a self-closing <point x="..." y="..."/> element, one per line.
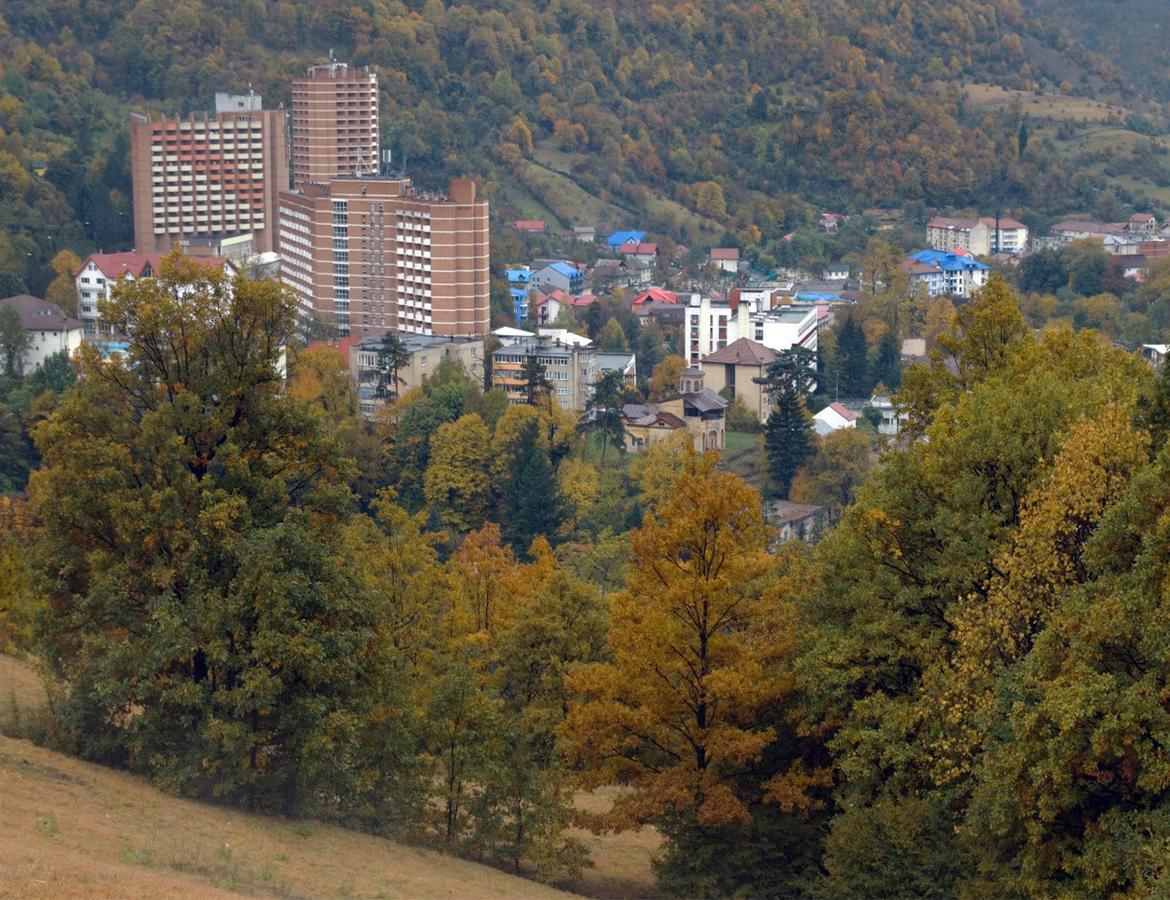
<point x="699" y="638"/>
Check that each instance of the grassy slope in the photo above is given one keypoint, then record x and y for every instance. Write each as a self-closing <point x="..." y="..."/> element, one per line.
<point x="70" y="828"/>
<point x="743" y="456"/>
<point x="73" y="829"/>
<point x="1096" y="131"/>
<point x="554" y="168"/>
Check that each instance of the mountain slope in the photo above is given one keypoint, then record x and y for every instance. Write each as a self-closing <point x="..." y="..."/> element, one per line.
<point x="1133" y="34"/>
<point x="749" y="113"/>
<point x="72" y="829"/>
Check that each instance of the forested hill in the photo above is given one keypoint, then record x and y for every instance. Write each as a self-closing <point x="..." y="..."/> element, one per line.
<point x="747" y="113"/>
<point x="1134" y="34"/>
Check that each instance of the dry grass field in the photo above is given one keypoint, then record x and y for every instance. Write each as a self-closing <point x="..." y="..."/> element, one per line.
<point x="1043" y="105"/>
<point x="21" y="691"/>
<point x="74" y="829"/>
<point x="621" y="862"/>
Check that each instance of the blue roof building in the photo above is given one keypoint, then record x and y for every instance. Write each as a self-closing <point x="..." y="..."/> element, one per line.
<point x="961" y="274"/>
<point x="520" y="303"/>
<point x="618" y="238"/>
<point x="559" y="276"/>
<point x="519" y="282"/>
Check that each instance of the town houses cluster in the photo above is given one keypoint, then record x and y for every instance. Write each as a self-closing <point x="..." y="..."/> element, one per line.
<point x="304" y="193"/>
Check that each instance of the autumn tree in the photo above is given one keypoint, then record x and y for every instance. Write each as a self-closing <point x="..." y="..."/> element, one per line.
<point x="831" y="478"/>
<point x="320" y="376"/>
<point x="495" y="698"/>
<point x="922" y="563"/>
<point x="414" y="419"/>
<point x="456" y="481"/>
<point x="986" y="332"/>
<point x="699" y="637"/>
<point x="665" y="378"/>
<point x="14" y="342"/>
<point x="611" y="338"/>
<point x="62" y="290"/>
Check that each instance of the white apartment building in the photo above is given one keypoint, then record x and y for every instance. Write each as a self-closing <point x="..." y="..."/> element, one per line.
<point x="713" y="324"/>
<point x="982" y="236"/>
<point x="100" y="270"/>
<point x="49" y="329"/>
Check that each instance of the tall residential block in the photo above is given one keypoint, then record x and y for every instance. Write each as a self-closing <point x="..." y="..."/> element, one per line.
<point x="208" y="176"/>
<point x="334" y="124"/>
<point x="366" y="254"/>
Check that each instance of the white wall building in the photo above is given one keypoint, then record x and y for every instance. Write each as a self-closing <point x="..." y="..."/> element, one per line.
<point x="49" y="329"/>
<point x="713" y="324"/>
<point x="100" y="270"/>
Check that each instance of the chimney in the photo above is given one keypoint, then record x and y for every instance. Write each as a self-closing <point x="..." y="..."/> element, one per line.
<point x="461" y="190"/>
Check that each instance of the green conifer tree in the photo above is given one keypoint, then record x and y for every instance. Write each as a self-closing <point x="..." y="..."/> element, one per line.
<point x="789" y="439"/>
<point x="850" y="359"/>
<point x="887" y="364"/>
<point x="532" y="503"/>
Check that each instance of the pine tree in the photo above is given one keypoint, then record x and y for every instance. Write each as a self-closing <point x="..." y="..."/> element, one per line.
<point x="788" y="440"/>
<point x="850" y="359"/>
<point x="887" y="365"/>
<point x="536" y="382"/>
<point x="603" y="413"/>
<point x="393" y="355"/>
<point x="532" y="502"/>
<point x="788" y="433"/>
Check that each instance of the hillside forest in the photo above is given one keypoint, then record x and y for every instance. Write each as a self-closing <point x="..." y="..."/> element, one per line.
<point x="705" y="122"/>
<point x="443" y="628"/>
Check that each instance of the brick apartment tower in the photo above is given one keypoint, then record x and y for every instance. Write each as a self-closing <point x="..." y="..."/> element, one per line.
<point x="208" y="176"/>
<point x="369" y="254"/>
<point x="334" y="124"/>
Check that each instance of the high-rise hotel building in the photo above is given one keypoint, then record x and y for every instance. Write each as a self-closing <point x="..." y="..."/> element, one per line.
<point x="371" y="254"/>
<point x="209" y="176"/>
<point x="334" y="129"/>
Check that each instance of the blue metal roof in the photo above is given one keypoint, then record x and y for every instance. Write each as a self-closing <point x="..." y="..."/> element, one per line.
<point x="814" y="296"/>
<point x="565" y="269"/>
<point x="624" y="237"/>
<point x="949" y="262"/>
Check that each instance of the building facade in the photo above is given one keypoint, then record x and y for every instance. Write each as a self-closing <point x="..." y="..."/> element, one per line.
<point x="957" y="274"/>
<point x="365" y="254"/>
<point x="950" y="235"/>
<point x="734" y="370"/>
<point x="208" y="176"/>
<point x="712" y="325"/>
<point x="100" y="271"/>
<point x="426" y="354"/>
<point x="570" y="367"/>
<point x="334" y="124"/>
<point x="49" y="330"/>
<point x="695" y="410"/>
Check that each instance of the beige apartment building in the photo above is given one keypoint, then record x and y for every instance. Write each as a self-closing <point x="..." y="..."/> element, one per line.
<point x="208" y="176"/>
<point x="334" y="124"/>
<point x="371" y="254"/>
<point x="426" y="353"/>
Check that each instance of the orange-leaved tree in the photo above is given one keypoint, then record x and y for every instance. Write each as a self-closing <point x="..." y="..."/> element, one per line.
<point x="699" y="638"/>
